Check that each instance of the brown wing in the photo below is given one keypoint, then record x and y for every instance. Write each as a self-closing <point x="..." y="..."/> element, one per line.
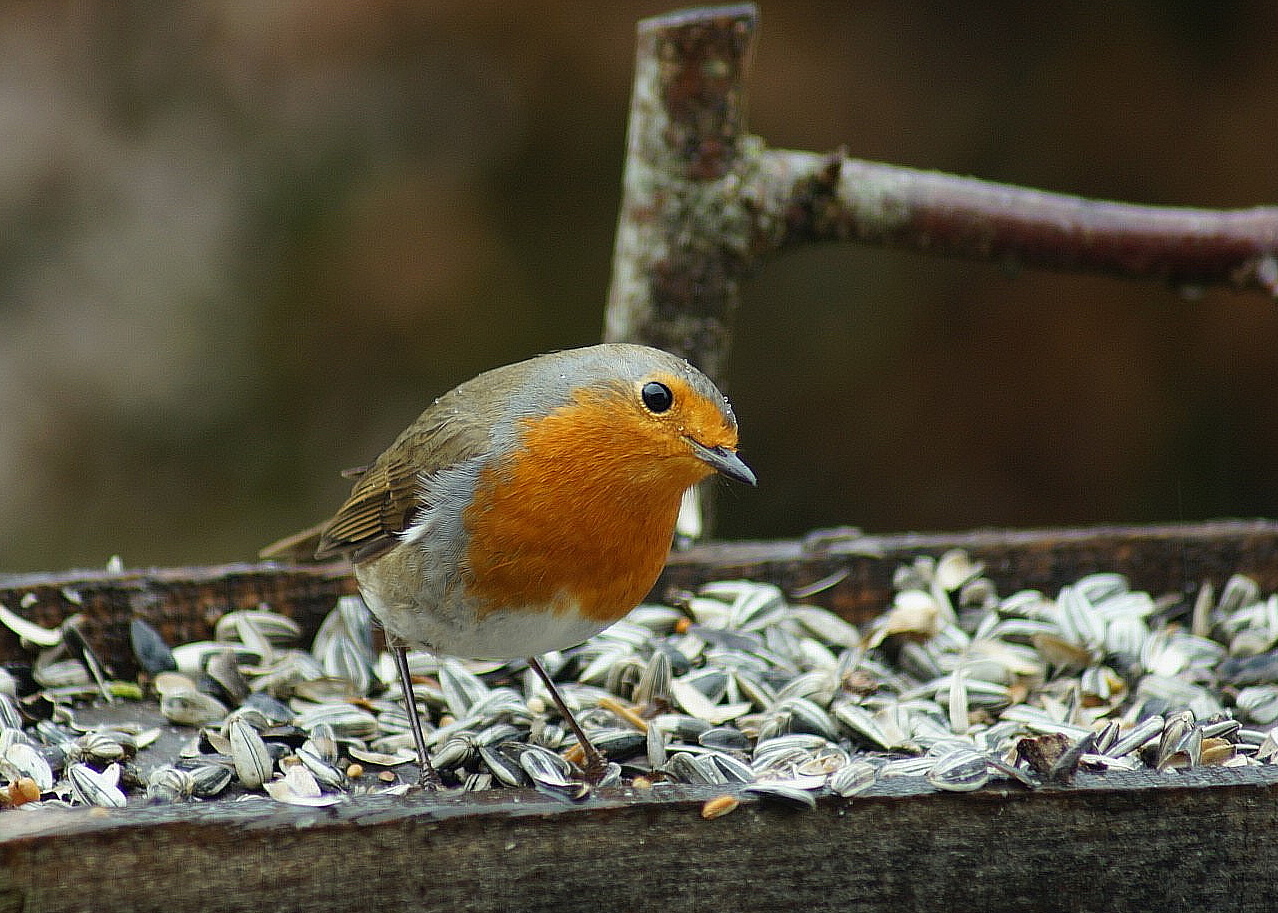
<point x="387" y="498"/>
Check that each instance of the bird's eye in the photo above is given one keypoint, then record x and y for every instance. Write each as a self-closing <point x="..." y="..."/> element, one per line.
<point x="657" y="397"/>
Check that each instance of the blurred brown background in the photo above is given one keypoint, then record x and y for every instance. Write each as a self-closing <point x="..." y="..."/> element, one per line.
<point x="244" y="243"/>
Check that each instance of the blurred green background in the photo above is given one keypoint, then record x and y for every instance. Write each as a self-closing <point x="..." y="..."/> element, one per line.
<point x="244" y="243"/>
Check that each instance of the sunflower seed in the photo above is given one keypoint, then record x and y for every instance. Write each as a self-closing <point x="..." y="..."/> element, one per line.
<point x="781" y="793"/>
<point x="326" y="773"/>
<point x="93" y="788"/>
<point x="853" y="779"/>
<point x="169" y="784"/>
<point x="253" y="763"/>
<point x="961" y="770"/>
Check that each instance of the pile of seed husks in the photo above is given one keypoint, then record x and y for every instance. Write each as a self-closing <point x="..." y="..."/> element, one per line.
<point x="736" y="687"/>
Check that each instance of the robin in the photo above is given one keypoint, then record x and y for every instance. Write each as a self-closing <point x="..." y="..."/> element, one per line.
<point x="531" y="507"/>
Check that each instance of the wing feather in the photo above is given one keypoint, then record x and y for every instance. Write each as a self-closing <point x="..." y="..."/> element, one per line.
<point x="389" y="496"/>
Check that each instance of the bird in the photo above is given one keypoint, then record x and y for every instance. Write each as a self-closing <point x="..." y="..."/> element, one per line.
<point x="531" y="507"/>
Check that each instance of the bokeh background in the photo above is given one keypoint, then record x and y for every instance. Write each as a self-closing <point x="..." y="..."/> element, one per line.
<point x="242" y="244"/>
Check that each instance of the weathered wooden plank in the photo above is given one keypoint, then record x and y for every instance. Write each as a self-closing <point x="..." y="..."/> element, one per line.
<point x="1182" y="842"/>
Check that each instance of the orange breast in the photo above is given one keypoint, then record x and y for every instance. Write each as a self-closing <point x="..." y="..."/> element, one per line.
<point x="583" y="514"/>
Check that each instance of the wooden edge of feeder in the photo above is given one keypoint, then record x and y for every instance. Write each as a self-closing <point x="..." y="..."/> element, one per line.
<point x="843" y="570"/>
<point x="1175" y="841"/>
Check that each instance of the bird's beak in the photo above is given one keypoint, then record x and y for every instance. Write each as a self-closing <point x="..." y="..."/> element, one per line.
<point x="723" y="460"/>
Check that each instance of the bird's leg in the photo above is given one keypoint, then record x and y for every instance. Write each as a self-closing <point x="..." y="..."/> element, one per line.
<point x="428" y="777"/>
<point x="596" y="766"/>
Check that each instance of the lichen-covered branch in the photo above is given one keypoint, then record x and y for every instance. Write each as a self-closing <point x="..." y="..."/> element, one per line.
<point x="704" y="203"/>
<point x="676" y="265"/>
<point x="798" y="197"/>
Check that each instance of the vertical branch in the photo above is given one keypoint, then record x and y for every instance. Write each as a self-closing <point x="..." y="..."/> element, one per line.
<point x="675" y="280"/>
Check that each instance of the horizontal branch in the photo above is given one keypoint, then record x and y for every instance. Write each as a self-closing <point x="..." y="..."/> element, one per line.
<point x="799" y="197"/>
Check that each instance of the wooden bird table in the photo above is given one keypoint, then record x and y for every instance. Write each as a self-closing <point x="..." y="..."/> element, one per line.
<point x="1185" y="840"/>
